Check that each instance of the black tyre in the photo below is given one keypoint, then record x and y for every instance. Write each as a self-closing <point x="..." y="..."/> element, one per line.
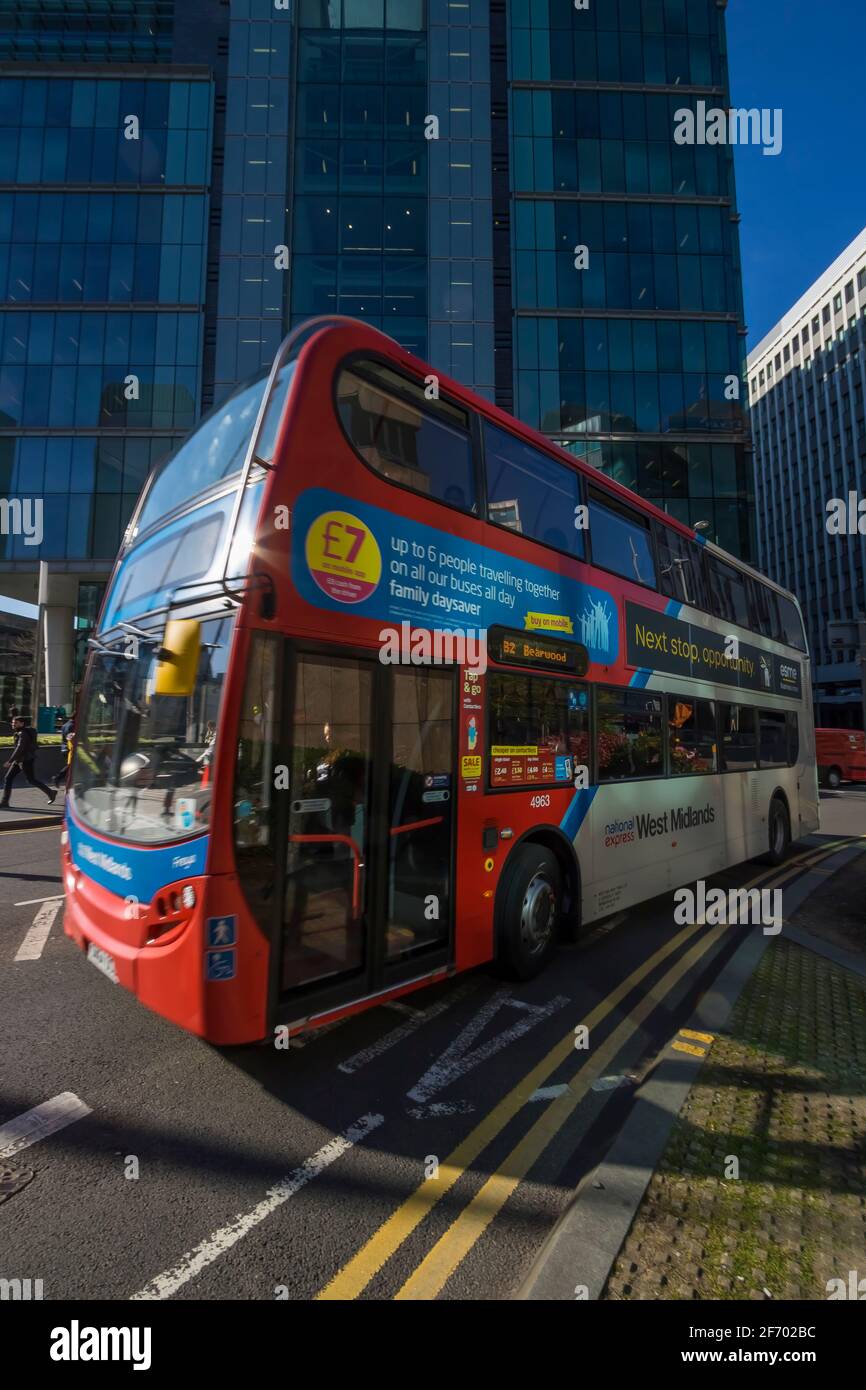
<point x="778" y="832"/>
<point x="834" y="779"/>
<point x="529" y="908"/>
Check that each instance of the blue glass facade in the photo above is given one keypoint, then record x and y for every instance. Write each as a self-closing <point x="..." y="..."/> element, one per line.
<point x="430" y="166"/>
<point x="360" y="170"/>
<point x="251" y="291"/>
<point x="328" y="155"/>
<point x="103" y="240"/>
<point x="461" y="193"/>
<point x="626" y="289"/>
<point x="96" y="31"/>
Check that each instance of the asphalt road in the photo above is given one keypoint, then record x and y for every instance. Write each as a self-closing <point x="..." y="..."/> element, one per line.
<point x="199" y="1173"/>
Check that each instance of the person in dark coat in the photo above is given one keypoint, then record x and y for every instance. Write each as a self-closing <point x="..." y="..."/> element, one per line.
<point x="23" y="760"/>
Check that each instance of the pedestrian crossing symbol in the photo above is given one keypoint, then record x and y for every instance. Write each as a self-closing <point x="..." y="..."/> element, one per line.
<point x="222" y="931"/>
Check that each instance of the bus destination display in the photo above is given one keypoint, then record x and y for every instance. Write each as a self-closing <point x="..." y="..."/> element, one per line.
<point x="512" y="648"/>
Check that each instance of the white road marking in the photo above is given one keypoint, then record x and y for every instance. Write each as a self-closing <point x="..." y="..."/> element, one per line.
<point x="41" y="1121"/>
<point x="32" y="946"/>
<point x="405" y="1030"/>
<point x="191" y="1264"/>
<point x="607" y="1083"/>
<point x="548" y="1093"/>
<point x="28" y="902"/>
<point x="441" y="1107"/>
<point x="457" y="1059"/>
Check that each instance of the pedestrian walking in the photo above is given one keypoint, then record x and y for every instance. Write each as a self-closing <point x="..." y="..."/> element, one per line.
<point x="23" y="759"/>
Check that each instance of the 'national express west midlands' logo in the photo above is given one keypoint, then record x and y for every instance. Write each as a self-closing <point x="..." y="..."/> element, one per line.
<point x="343" y="557"/>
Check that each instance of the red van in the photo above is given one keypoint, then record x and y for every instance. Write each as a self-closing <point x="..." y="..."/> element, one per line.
<point x="841" y="755"/>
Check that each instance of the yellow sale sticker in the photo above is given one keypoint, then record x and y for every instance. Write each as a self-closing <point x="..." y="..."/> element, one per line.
<point x="470" y="766"/>
<point x="343" y="557"/>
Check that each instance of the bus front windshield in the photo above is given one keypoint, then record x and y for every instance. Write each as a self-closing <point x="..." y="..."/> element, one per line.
<point x="142" y="768"/>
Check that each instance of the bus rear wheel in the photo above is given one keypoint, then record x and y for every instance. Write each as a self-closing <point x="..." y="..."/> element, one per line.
<point x="779" y="832"/>
<point x="529" y="911"/>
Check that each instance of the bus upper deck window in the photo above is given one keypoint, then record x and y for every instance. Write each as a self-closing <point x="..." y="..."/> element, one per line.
<point x="406" y="439"/>
<point x="768" y="620"/>
<point x="529" y="492"/>
<point x="792" y="626"/>
<point x="729" y="594"/>
<point x="681" y="573"/>
<point x="217" y="447"/>
<point x="620" y="542"/>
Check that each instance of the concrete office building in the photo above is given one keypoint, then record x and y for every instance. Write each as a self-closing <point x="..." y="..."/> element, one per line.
<point x="429" y="166"/>
<point x="806" y="388"/>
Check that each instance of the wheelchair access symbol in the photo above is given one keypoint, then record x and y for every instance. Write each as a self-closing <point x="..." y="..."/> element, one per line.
<point x="221" y="965"/>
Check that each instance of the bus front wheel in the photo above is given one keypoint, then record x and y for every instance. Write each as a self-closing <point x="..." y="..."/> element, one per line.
<point x="779" y="832"/>
<point x="530" y="906"/>
<point x="834" y="779"/>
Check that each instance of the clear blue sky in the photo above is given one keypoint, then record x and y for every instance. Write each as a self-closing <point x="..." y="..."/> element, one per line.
<point x="801" y="207"/>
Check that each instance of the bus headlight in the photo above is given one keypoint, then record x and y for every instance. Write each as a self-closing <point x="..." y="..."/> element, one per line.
<point x="188" y="896"/>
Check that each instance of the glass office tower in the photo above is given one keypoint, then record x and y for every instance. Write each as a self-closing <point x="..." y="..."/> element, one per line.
<point x="498" y="186"/>
<point x="331" y="152"/>
<point x="106" y="165"/>
<point x="627" y="318"/>
<point x="101" y="273"/>
<point x="436" y="168"/>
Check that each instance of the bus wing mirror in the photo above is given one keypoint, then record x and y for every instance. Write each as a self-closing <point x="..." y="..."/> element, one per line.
<point x="177" y="668"/>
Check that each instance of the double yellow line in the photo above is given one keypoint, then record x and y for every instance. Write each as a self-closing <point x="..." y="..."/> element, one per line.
<point x="32" y="830"/>
<point x="431" y="1275"/>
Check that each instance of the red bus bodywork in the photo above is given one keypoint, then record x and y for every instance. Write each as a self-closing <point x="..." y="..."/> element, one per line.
<point x="160" y="958"/>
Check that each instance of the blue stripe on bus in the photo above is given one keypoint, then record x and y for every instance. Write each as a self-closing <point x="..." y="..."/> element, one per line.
<point x="576" y="813"/>
<point x="132" y="872"/>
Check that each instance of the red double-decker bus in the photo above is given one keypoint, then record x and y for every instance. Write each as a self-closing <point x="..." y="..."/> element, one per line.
<point x="387" y="686"/>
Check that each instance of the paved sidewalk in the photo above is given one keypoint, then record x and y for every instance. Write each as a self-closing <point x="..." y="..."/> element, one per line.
<point x="782" y="1095"/>
<point x="739" y="1169"/>
<point x="837" y="914"/>
<point x="29" y="807"/>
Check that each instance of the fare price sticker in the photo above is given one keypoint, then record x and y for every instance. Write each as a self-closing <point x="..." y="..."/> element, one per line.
<point x="343" y="556"/>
